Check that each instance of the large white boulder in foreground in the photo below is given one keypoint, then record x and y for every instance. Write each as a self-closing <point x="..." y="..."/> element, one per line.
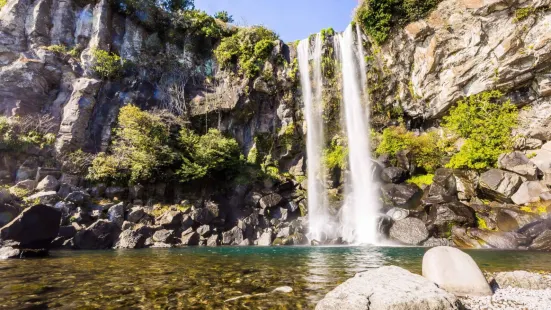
<point x="388" y="288"/>
<point x="455" y="271"/>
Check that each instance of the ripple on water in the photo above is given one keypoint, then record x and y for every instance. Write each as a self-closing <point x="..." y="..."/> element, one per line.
<point x="198" y="278"/>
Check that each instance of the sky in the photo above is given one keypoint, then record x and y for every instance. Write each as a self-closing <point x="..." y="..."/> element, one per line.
<point x="291" y="19"/>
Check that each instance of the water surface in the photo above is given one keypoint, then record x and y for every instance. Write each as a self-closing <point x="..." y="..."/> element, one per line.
<point x="203" y="278"/>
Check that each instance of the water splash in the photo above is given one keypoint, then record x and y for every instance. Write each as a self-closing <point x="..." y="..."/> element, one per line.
<point x="318" y="217"/>
<point x="359" y="212"/>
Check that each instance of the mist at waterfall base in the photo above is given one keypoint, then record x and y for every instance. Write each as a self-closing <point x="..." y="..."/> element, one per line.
<point x="356" y="222"/>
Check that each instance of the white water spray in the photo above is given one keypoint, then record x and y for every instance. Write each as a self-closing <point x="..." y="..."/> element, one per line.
<point x="359" y="213"/>
<point x="318" y="217"/>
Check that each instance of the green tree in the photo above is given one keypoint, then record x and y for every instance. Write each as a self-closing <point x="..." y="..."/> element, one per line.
<point x="224" y="16"/>
<point x="485" y="121"/>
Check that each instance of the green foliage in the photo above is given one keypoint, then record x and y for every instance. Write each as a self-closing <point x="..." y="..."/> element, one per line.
<point x="58" y="49"/>
<point x="76" y="162"/>
<point x="248" y="48"/>
<point x="335" y="156"/>
<point x="2" y="3"/>
<point x="208" y="156"/>
<point x="329" y="32"/>
<point x="424" y="148"/>
<point x="139" y="152"/>
<point x="486" y="124"/>
<point x="523" y="13"/>
<point x="199" y="23"/>
<point x="17" y="134"/>
<point x="224" y="16"/>
<point x="421" y="180"/>
<point x="107" y="65"/>
<point x="378" y="17"/>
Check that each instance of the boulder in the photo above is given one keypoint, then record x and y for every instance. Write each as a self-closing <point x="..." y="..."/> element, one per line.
<point x="444" y="216"/>
<point x="529" y="192"/>
<point x="97" y="191"/>
<point x="136" y="214"/>
<point x="388" y="288"/>
<point x="397" y="214"/>
<point x="99" y="236"/>
<point x="134" y="239"/>
<point x="543" y="157"/>
<point x="434" y="242"/>
<point x="233" y="236"/>
<point x="409" y="231"/>
<point x="204" y="231"/>
<point x="28" y="185"/>
<point x="136" y="192"/>
<point x="394" y="175"/>
<point x="466" y="182"/>
<point x="165" y="236"/>
<point x="534" y="229"/>
<point x="43" y="172"/>
<point x="509" y="219"/>
<point x="405" y="196"/>
<point x="299" y="239"/>
<point x="190" y="237"/>
<point x="443" y="188"/>
<point x="8" y="213"/>
<point x="116" y="214"/>
<point x="170" y="219"/>
<point x="46" y="198"/>
<point x="187" y="222"/>
<point x="113" y="192"/>
<point x="522" y="279"/>
<point x="499" y="240"/>
<point x="542" y="242"/>
<point x="518" y="163"/>
<point x="266" y="238"/>
<point x="455" y="271"/>
<point x="79" y="198"/>
<point x="499" y="185"/>
<point x="213" y="240"/>
<point x="384" y="222"/>
<point x="270" y="201"/>
<point x="34" y="228"/>
<point x="205" y="215"/>
<point x="49" y="183"/>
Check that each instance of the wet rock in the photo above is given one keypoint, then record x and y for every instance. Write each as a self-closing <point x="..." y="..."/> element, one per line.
<point x="455" y="271"/>
<point x="394" y="175"/>
<point x="521" y="279"/>
<point x="509" y="219"/>
<point x="542" y="242"/>
<point x="213" y="240"/>
<point x="467" y="183"/>
<point x="518" y="163"/>
<point x="384" y="222"/>
<point x="534" y="229"/>
<point x="8" y="213"/>
<point x="299" y="239"/>
<point x="499" y="240"/>
<point x="443" y="188"/>
<point x="34" y="228"/>
<point x="409" y="231"/>
<point x="405" y="196"/>
<point x="46" y="198"/>
<point x="134" y="239"/>
<point x="499" y="185"/>
<point x="266" y="238"/>
<point x="284" y="232"/>
<point x="116" y="214"/>
<point x="398" y="214"/>
<point x="100" y="235"/>
<point x="136" y="214"/>
<point x="233" y="236"/>
<point x="67" y="232"/>
<point x="270" y="201"/>
<point x="529" y="192"/>
<point x="190" y="238"/>
<point x="388" y="288"/>
<point x="444" y="216"/>
<point x="49" y="183"/>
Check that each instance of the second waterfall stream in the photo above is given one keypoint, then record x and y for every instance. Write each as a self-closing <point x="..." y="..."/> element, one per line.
<point x="356" y="222"/>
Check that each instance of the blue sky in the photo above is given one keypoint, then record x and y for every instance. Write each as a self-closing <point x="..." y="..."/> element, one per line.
<point x="291" y="19"/>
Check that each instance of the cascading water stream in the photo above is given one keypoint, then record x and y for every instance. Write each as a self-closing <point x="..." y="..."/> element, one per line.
<point x="359" y="213"/>
<point x="318" y="217"/>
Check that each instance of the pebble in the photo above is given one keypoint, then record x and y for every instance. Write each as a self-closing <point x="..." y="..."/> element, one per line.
<point x="509" y="299"/>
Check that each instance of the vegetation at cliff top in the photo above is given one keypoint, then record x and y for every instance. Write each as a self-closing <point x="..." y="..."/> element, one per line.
<point x="224" y="16"/>
<point x="485" y="122"/>
<point x="379" y="17"/>
<point x="247" y="49"/>
<point x="424" y="148"/>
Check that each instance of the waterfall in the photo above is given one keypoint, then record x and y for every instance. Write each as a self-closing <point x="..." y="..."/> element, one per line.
<point x="359" y="212"/>
<point x="318" y="217"/>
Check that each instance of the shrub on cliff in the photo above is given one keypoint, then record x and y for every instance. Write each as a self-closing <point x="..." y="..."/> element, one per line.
<point x="224" y="16"/>
<point x="378" y="17"/>
<point x="19" y="133"/>
<point x="209" y="156"/>
<point x="486" y="123"/>
<point x="107" y="65"/>
<point x="424" y="148"/>
<point x="2" y="3"/>
<point x="247" y="49"/>
<point x="139" y="152"/>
